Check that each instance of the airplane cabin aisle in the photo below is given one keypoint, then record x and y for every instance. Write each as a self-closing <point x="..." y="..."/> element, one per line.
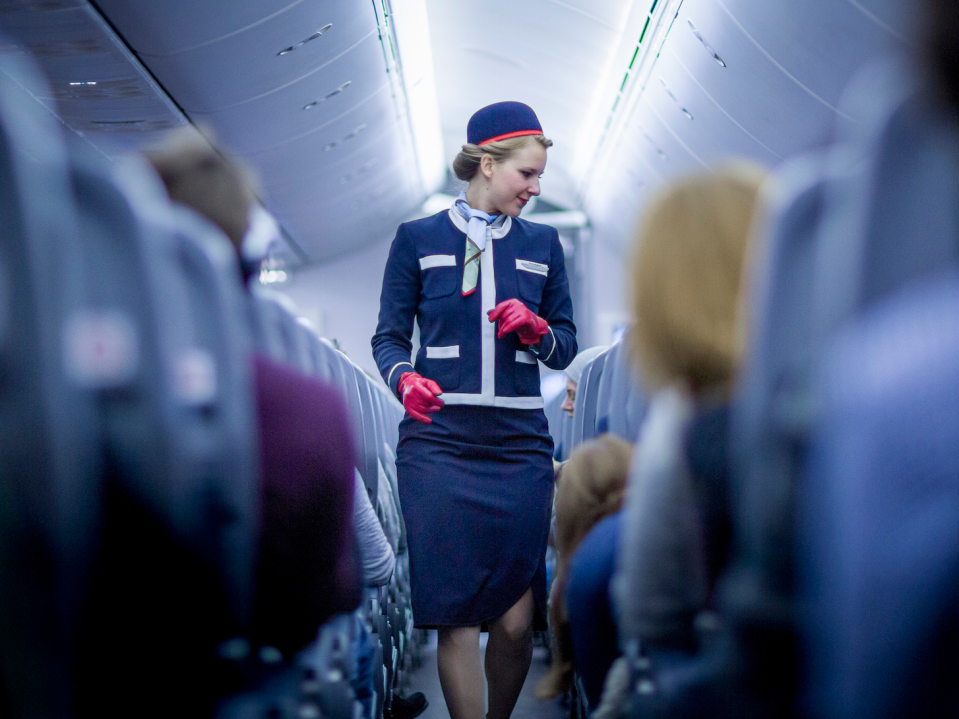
<point x="715" y="359"/>
<point x="426" y="679"/>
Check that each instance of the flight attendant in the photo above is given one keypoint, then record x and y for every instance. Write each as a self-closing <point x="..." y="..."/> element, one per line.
<point x="474" y="462"/>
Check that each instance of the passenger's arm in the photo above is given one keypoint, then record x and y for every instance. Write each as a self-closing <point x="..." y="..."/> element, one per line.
<point x="375" y="552"/>
<point x="392" y="343"/>
<point x="558" y="346"/>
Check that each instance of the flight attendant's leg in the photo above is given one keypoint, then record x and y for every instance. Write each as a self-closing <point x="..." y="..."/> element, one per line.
<point x="461" y="675"/>
<point x="508" y="655"/>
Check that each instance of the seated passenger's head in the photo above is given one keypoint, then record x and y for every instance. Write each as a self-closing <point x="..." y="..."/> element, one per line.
<point x="503" y="158"/>
<point x="687" y="269"/>
<point x="198" y="176"/>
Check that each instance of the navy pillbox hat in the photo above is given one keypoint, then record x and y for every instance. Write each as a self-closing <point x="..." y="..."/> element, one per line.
<point x="502" y="121"/>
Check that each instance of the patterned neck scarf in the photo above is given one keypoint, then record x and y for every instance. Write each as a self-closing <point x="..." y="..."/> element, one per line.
<point x="479" y="230"/>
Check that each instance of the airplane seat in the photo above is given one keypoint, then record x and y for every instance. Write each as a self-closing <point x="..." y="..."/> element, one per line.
<point x="879" y="511"/>
<point x="317" y="362"/>
<point x="299" y="340"/>
<point x="49" y="429"/>
<point x="316" y="683"/>
<point x="625" y="408"/>
<point x="576" y="434"/>
<point x="566" y="441"/>
<point x="292" y="334"/>
<point x="603" y="397"/>
<point x="554" y="416"/>
<point x="389" y="465"/>
<point x="369" y="461"/>
<point x="593" y="373"/>
<point x="339" y="370"/>
<point x="849" y="225"/>
<point x="264" y="316"/>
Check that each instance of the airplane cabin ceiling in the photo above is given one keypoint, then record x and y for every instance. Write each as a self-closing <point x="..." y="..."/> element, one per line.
<point x="307" y="93"/>
<point x="311" y="94"/>
<point x="774" y="92"/>
<point x="550" y="54"/>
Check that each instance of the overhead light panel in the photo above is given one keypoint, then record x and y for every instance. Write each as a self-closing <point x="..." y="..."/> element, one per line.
<point x="410" y="24"/>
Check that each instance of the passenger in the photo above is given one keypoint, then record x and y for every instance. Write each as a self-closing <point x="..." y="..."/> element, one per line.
<point x="474" y="460"/>
<point x="687" y="271"/>
<point x="574" y="374"/>
<point x="306" y="566"/>
<point x="688" y="267"/>
<point x="590" y="488"/>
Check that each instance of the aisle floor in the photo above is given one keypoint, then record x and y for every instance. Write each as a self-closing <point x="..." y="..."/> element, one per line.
<point x="426" y="679"/>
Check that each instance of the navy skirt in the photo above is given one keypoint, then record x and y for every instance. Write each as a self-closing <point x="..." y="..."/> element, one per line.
<point x="476" y="488"/>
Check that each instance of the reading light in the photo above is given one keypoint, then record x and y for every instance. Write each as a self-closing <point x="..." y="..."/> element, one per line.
<point x="337" y="91"/>
<point x="301" y="43"/>
<point x="709" y="48"/>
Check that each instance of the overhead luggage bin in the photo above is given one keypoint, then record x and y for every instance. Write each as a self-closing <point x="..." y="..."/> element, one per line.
<point x="243" y="63"/>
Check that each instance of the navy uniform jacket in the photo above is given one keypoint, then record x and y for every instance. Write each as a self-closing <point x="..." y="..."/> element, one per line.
<point x="459" y="348"/>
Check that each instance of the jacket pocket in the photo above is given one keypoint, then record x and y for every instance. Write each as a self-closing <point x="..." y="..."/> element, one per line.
<point x="442" y="365"/>
<point x="438" y="275"/>
<point x="531" y="278"/>
<point x="526" y="374"/>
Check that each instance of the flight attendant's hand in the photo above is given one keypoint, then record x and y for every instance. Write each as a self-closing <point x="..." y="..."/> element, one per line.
<point x="514" y="316"/>
<point x="419" y="396"/>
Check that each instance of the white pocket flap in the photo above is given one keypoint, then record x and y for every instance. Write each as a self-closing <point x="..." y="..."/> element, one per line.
<point x="437" y="261"/>
<point x="530" y="266"/>
<point x="451" y="352"/>
<point x="524" y="357"/>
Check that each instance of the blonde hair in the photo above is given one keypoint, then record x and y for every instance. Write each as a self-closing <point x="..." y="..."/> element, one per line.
<point x="196" y="175"/>
<point x="687" y="267"/>
<point x="467" y="162"/>
<point x="590" y="487"/>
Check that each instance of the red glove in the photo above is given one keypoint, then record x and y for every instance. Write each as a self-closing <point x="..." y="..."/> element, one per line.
<point x="513" y="315"/>
<point x="419" y="396"/>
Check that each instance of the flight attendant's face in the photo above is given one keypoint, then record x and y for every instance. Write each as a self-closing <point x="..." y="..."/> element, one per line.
<point x="513" y="181"/>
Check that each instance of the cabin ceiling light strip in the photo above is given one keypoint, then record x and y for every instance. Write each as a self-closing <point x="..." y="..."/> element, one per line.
<point x="656" y="26"/>
<point x="412" y="51"/>
<point x="301" y="43"/>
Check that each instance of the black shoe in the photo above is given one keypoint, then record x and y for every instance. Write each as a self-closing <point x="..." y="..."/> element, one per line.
<point x="411" y="706"/>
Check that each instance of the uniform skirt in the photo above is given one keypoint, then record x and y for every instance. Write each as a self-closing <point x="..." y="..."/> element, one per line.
<point x="476" y="488"/>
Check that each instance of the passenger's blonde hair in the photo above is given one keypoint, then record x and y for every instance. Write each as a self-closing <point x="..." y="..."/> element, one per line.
<point x="590" y="487"/>
<point x="687" y="267"/>
<point x="196" y="175"/>
<point x="467" y="162"/>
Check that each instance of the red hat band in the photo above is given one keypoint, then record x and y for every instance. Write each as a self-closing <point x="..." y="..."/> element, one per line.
<point x="508" y="135"/>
